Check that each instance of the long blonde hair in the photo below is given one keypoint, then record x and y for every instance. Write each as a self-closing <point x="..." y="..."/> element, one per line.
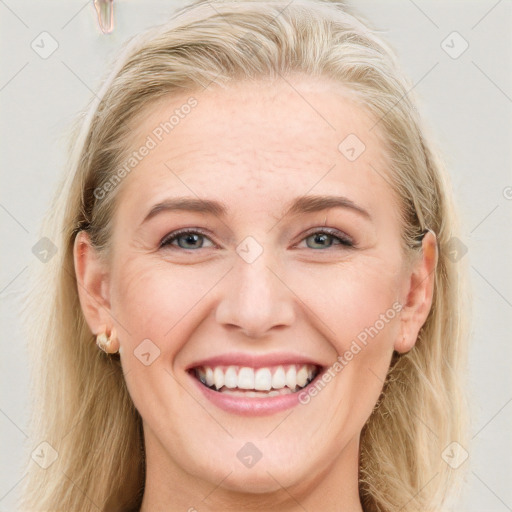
<point x="81" y="404"/>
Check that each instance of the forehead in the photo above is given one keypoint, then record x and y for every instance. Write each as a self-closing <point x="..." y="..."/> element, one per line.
<point x="250" y="142"/>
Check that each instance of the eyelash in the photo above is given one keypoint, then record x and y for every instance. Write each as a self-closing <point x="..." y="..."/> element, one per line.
<point x="344" y="240"/>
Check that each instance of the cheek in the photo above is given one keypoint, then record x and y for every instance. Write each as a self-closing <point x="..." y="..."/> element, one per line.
<point x="359" y="312"/>
<point x="151" y="297"/>
<point x="353" y="300"/>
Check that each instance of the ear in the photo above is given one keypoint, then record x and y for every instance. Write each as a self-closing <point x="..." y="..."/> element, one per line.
<point x="92" y="283"/>
<point x="418" y="292"/>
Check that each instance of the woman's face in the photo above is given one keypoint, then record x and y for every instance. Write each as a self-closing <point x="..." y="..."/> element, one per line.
<point x="257" y="296"/>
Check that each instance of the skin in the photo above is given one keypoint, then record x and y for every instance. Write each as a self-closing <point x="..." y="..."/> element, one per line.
<point x="256" y="147"/>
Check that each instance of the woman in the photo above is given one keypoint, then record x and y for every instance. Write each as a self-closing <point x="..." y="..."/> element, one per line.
<point x="252" y="307"/>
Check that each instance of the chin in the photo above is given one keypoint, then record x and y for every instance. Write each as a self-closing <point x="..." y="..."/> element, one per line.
<point x="263" y="480"/>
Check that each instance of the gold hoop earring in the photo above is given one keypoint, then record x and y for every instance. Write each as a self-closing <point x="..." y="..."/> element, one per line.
<point x="109" y="344"/>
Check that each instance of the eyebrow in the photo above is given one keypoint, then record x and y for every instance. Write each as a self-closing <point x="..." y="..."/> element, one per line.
<point x="304" y="204"/>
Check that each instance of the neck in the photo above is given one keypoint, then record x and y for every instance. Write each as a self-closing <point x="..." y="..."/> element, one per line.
<point x="171" y="489"/>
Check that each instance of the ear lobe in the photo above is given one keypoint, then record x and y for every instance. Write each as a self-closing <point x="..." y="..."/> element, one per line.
<point x="92" y="283"/>
<point x="419" y="293"/>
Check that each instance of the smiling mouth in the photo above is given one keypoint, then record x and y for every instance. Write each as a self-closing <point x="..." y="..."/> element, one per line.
<point x="256" y="382"/>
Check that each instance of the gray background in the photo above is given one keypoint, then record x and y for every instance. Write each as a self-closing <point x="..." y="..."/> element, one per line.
<point x="467" y="101"/>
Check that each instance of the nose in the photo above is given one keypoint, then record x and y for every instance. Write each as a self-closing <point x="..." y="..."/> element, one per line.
<point x="255" y="298"/>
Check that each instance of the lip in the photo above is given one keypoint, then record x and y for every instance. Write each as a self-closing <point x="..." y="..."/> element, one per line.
<point x="252" y="406"/>
<point x="254" y="360"/>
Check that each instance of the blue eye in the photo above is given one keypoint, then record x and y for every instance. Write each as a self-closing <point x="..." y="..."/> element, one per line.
<point x="193" y="239"/>
<point x="323" y="236"/>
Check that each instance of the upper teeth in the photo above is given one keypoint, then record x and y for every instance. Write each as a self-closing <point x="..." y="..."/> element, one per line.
<point x="262" y="379"/>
